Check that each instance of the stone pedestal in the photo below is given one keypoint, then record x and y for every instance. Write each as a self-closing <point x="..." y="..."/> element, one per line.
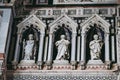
<point x="27" y="64"/>
<point x="61" y="65"/>
<point x="96" y="65"/>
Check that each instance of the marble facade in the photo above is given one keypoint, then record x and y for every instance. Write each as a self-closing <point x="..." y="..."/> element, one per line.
<point x="46" y="60"/>
<point x="79" y="21"/>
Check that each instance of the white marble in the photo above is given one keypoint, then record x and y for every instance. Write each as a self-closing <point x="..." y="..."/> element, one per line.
<point x="95" y="62"/>
<point x="60" y="62"/>
<point x="83" y="1"/>
<point x="107" y="52"/>
<point x="95" y="47"/>
<point x="118" y="46"/>
<point x="40" y="54"/>
<point x="113" y="48"/>
<point x="45" y="49"/>
<point x="29" y="48"/>
<point x="62" y="45"/>
<point x="50" y="48"/>
<point x="73" y="51"/>
<point x="4" y="28"/>
<point x="83" y="47"/>
<point x="26" y="63"/>
<point x="78" y="48"/>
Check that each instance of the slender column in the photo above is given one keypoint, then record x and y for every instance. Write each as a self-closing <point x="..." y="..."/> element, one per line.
<point x="83" y="48"/>
<point x="118" y="46"/>
<point x="17" y="50"/>
<point x="41" y="48"/>
<point x="46" y="49"/>
<point x="50" y="50"/>
<point x="113" y="49"/>
<point x="78" y="49"/>
<point x="107" y="53"/>
<point x="73" y="47"/>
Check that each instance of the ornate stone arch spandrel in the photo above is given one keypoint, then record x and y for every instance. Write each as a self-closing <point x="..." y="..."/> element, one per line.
<point x="95" y="19"/>
<point x="31" y="20"/>
<point x="63" y="19"/>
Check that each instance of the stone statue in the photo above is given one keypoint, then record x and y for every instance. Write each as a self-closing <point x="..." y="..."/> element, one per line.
<point x="95" y="48"/>
<point x="62" y="48"/>
<point x="29" y="48"/>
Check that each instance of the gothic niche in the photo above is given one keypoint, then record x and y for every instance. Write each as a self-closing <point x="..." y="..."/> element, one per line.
<point x="95" y="30"/>
<point x="29" y="48"/>
<point x="62" y="48"/>
<point x="34" y="34"/>
<point x="95" y="47"/>
<point x="57" y="37"/>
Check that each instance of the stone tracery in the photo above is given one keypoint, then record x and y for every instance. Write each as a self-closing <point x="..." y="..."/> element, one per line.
<point x="64" y="22"/>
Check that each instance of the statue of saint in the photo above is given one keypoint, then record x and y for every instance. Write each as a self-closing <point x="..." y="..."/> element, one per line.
<point x="29" y="48"/>
<point x="95" y="48"/>
<point x="62" y="48"/>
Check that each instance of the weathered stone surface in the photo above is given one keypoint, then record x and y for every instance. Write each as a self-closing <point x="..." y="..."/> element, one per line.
<point x="64" y="75"/>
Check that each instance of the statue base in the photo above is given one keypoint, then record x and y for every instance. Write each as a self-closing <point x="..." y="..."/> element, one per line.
<point x="61" y="65"/>
<point x="27" y="64"/>
<point x="96" y="65"/>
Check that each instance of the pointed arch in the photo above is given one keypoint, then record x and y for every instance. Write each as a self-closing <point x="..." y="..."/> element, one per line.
<point x="104" y="26"/>
<point x="31" y="20"/>
<point x="63" y="19"/>
<point x="95" y="19"/>
<point x="69" y="24"/>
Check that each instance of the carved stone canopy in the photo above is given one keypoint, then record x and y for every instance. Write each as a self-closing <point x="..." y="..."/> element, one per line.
<point x="95" y="19"/>
<point x="63" y="19"/>
<point x="31" y="20"/>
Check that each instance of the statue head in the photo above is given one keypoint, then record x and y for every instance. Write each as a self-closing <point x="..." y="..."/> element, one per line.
<point x="62" y="36"/>
<point x="30" y="36"/>
<point x="96" y="37"/>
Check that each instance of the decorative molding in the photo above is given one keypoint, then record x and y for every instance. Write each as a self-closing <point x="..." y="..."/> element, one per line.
<point x="31" y="20"/>
<point x="59" y="2"/>
<point x="64" y="75"/>
<point x="63" y="19"/>
<point x="95" y="19"/>
<point x="73" y="11"/>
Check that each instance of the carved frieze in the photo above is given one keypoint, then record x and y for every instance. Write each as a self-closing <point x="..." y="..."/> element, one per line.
<point x="73" y="12"/>
<point x="82" y="1"/>
<point x="65" y="75"/>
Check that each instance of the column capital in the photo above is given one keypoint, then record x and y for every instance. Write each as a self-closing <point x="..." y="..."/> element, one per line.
<point x="50" y="33"/>
<point x="42" y="34"/>
<point x="83" y="33"/>
<point x="107" y="34"/>
<point x="74" y="34"/>
<point x="18" y="33"/>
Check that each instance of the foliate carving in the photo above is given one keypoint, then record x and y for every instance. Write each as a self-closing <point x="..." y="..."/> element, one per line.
<point x="81" y="1"/>
<point x="65" y="75"/>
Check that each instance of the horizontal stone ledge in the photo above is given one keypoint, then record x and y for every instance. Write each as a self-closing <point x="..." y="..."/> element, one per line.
<point x="81" y="72"/>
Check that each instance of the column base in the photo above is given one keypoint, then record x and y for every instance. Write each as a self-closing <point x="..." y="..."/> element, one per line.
<point x="27" y="64"/>
<point x="14" y="63"/>
<point x="49" y="65"/>
<point x="96" y="65"/>
<point x="61" y="65"/>
<point x="39" y="63"/>
<point x="108" y="63"/>
<point x="73" y="63"/>
<point x="82" y="65"/>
